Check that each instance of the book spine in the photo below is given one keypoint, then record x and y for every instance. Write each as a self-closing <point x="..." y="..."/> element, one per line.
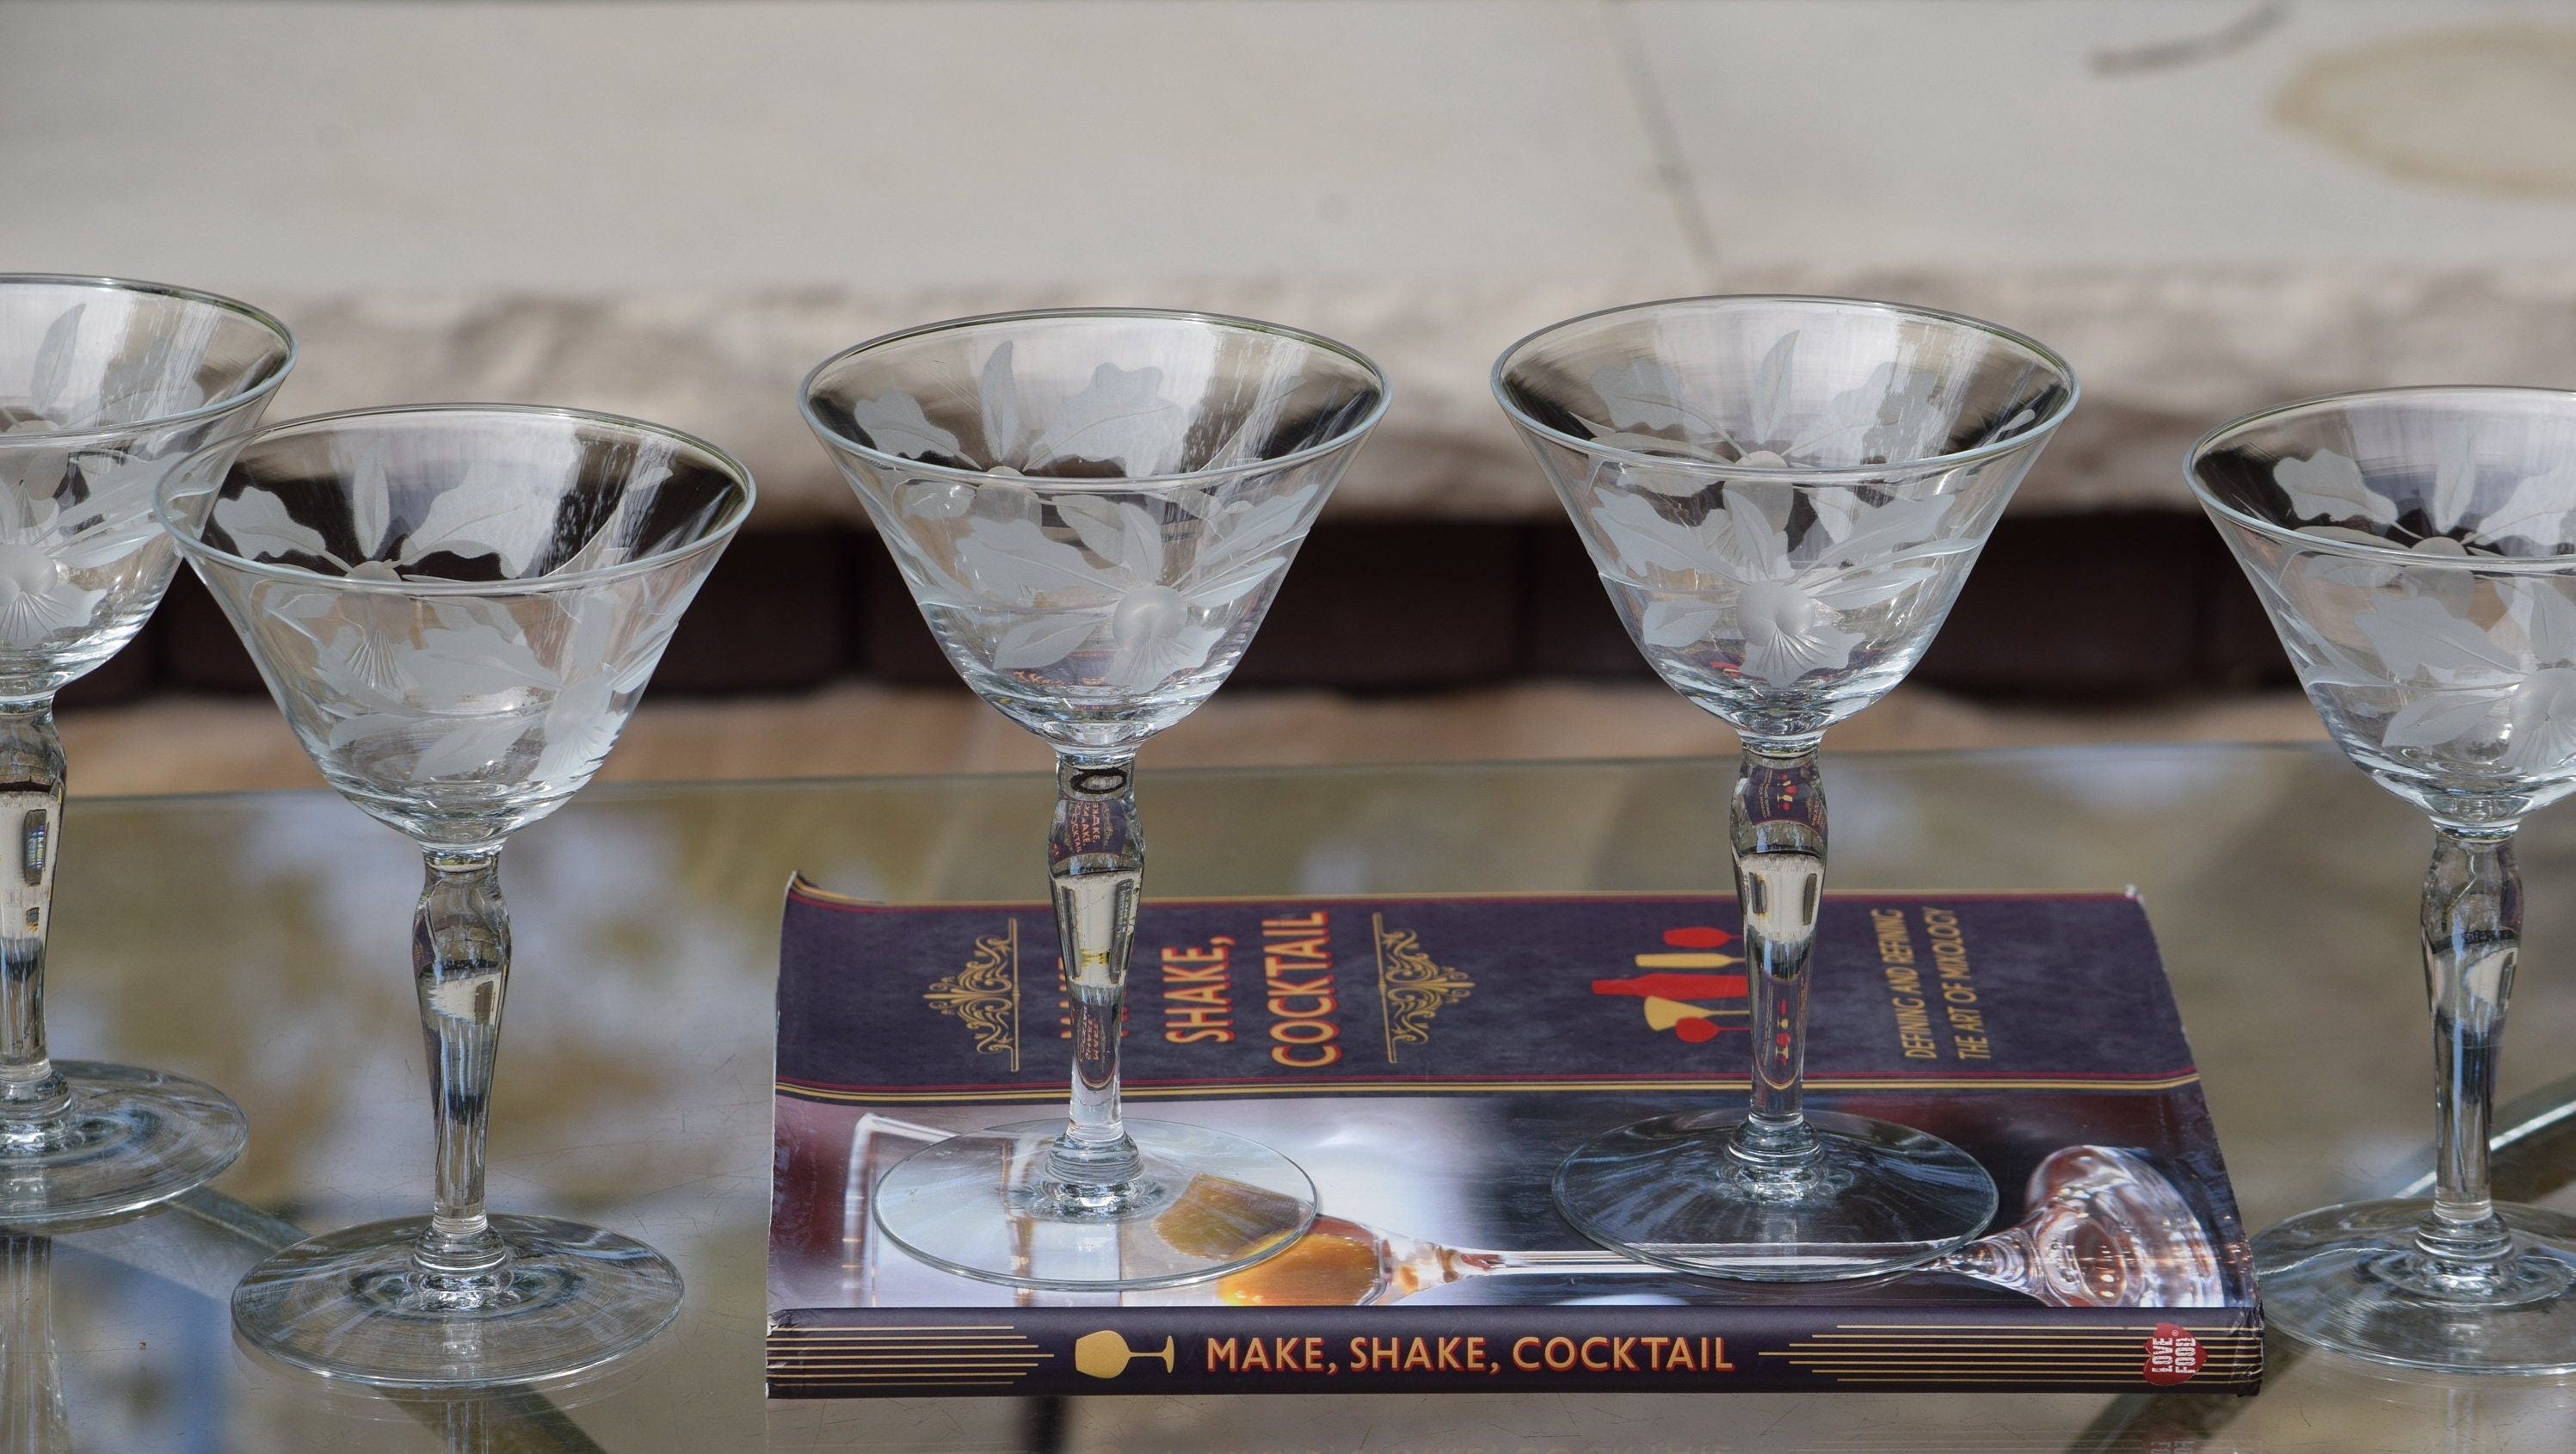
<point x="912" y="1352"/>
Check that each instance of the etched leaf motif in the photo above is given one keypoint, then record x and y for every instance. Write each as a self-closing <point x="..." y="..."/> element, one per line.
<point x="51" y="377"/>
<point x="2547" y="617"/>
<point x="2455" y="481"/>
<point x="1771" y="392"/>
<point x="2330" y="485"/>
<point x="2418" y="636"/>
<point x="1120" y="418"/>
<point x="371" y="508"/>
<point x="893" y="422"/>
<point x="2438" y="717"/>
<point x="2542" y="722"/>
<point x="1645" y="394"/>
<point x="1015" y="561"/>
<point x="262" y="529"/>
<point x="1042" y="641"/>
<point x="1119" y="533"/>
<point x="490" y="511"/>
<point x="2537" y="510"/>
<point x="999" y="394"/>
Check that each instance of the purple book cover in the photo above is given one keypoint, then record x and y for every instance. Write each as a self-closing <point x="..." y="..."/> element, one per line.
<point x="1428" y="1061"/>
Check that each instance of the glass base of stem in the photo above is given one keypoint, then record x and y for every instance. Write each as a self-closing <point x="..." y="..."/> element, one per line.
<point x="350" y="1305"/>
<point x="982" y="1205"/>
<point x="1876" y="1198"/>
<point x="132" y="1138"/>
<point x="2352" y="1279"/>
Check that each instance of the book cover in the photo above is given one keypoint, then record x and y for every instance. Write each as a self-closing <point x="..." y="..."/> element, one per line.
<point x="1428" y="1061"/>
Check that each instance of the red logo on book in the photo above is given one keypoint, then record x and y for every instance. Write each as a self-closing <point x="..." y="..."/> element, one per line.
<point x="2173" y="1355"/>
<point x="1674" y="981"/>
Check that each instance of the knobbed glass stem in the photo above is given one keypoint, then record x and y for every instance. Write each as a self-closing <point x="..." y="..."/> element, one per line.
<point x="460" y="955"/>
<point x="1778" y="834"/>
<point x="1096" y="863"/>
<point x="2472" y="935"/>
<point x="34" y="1098"/>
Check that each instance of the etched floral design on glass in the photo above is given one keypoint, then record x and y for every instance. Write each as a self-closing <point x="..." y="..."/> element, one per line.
<point x="1783" y="497"/>
<point x="456" y="607"/>
<point x="2416" y="551"/>
<point x="1093" y="509"/>
<point x="104" y="387"/>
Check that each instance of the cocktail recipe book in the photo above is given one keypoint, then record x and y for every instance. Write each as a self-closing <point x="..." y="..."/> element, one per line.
<point x="1428" y="1061"/>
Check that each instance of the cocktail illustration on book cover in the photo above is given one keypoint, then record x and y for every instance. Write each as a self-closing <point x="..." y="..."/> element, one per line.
<point x="1429" y="1061"/>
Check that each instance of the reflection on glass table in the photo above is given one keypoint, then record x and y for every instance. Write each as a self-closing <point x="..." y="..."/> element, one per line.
<point x="257" y="942"/>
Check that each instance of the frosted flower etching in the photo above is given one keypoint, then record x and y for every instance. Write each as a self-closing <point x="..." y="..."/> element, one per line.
<point x="1092" y="509"/>
<point x="1782" y="496"/>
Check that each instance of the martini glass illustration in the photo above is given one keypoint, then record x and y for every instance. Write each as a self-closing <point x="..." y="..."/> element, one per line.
<point x="2416" y="550"/>
<point x="1093" y="510"/>
<point x="456" y="606"/>
<point x="104" y="387"/>
<point x="2106" y="1229"/>
<point x="1783" y="496"/>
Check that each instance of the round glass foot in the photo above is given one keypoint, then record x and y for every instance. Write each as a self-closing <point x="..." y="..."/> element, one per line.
<point x="1876" y="1198"/>
<point x="2353" y="1279"/>
<point x="350" y="1305"/>
<point x="1204" y="1204"/>
<point x="132" y="1138"/>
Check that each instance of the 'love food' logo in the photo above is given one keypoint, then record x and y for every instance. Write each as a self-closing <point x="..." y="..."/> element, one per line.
<point x="2173" y="1355"/>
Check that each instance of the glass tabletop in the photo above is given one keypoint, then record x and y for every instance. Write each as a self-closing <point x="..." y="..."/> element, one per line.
<point x="260" y="942"/>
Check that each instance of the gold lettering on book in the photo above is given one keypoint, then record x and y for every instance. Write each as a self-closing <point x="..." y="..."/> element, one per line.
<point x="1411" y="987"/>
<point x="986" y="993"/>
<point x="1969" y="1038"/>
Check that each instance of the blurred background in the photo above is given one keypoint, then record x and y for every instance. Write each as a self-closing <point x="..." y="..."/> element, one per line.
<point x="673" y="208"/>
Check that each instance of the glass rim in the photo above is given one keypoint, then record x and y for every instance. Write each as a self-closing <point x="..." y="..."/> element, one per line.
<point x="1817" y="473"/>
<point x="923" y="469"/>
<point x="105" y="284"/>
<point x="2383" y="551"/>
<point x="196" y="546"/>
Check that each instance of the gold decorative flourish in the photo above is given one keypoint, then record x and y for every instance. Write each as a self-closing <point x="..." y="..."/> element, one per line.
<point x="986" y="993"/>
<point x="1411" y="988"/>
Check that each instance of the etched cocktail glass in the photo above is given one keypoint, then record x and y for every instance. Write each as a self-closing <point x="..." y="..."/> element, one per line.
<point x="457" y="606"/>
<point x="1783" y="496"/>
<point x="1094" y="509"/>
<point x="104" y="387"/>
<point x="2416" y="549"/>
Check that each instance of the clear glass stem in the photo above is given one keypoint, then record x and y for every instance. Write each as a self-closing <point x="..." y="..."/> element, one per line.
<point x="1778" y="833"/>
<point x="2472" y="935"/>
<point x="32" y="1417"/>
<point x="460" y="953"/>
<point x="34" y="1100"/>
<point x="1096" y="863"/>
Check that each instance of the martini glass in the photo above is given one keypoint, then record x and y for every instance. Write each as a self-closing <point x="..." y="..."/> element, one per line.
<point x="1093" y="510"/>
<point x="104" y="387"/>
<point x="457" y="606"/>
<point x="2416" y="549"/>
<point x="1783" y="496"/>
